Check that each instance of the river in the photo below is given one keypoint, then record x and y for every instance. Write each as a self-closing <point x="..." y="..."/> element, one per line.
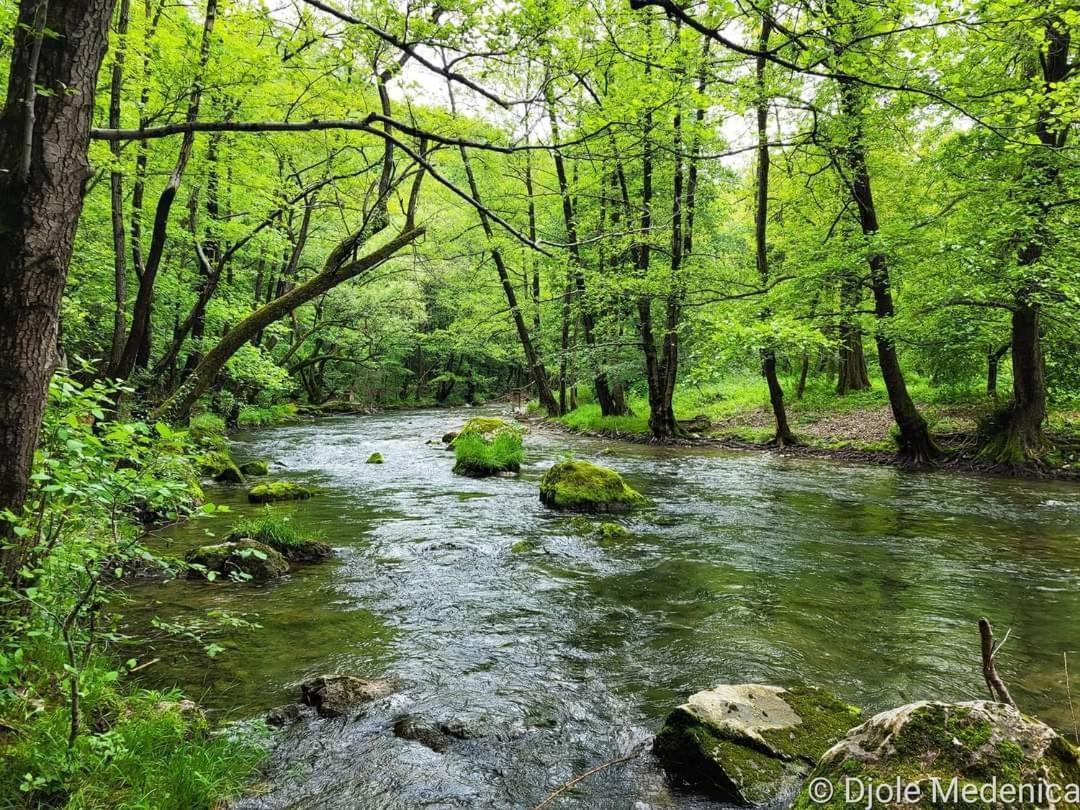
<point x="563" y="654"/>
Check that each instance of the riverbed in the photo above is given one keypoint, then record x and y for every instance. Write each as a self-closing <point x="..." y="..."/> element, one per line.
<point x="559" y="653"/>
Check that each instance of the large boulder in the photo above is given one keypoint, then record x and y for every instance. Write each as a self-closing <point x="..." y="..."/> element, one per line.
<point x="337" y="695"/>
<point x="487" y="427"/>
<point x="937" y="751"/>
<point x="279" y="491"/>
<point x="587" y="487"/>
<point x="751" y="743"/>
<point x="239" y="559"/>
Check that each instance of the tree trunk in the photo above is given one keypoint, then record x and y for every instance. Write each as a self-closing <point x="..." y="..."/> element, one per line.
<point x="43" y="168"/>
<point x="116" y="191"/>
<point x="336" y="271"/>
<point x="1021" y="437"/>
<point x="588" y="319"/>
<point x="137" y="348"/>
<point x="783" y="435"/>
<point x="916" y="445"/>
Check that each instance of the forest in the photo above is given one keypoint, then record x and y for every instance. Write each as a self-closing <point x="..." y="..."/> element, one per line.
<point x="800" y="233"/>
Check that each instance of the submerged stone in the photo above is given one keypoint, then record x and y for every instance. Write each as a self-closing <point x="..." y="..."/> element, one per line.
<point x="926" y="744"/>
<point x="244" y="558"/>
<point x="449" y="436"/>
<point x="257" y="467"/>
<point x="279" y="491"/>
<point x="281" y="716"/>
<point x="337" y="695"/>
<point x="751" y="743"/>
<point x="610" y="533"/>
<point x="411" y="727"/>
<point x="374" y="458"/>
<point x="588" y="487"/>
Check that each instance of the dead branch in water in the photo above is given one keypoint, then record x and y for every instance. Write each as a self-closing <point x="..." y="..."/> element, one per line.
<point x="998" y="691"/>
<point x="585" y="775"/>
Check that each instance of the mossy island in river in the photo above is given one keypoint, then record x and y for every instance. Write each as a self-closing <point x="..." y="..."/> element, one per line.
<point x="588" y="487"/>
<point x="487" y="446"/>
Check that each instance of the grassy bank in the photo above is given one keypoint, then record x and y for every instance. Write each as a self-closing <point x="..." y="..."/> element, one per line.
<point x="738" y="409"/>
<point x="76" y="731"/>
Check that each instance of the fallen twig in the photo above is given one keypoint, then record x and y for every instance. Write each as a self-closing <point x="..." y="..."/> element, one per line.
<point x="144" y="665"/>
<point x="585" y="775"/>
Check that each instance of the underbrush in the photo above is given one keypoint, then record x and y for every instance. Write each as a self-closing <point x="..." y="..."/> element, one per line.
<point x="140" y="749"/>
<point x="74" y="733"/>
<point x="262" y="416"/>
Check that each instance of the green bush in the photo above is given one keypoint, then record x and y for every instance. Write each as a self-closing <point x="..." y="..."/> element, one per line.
<point x="476" y="457"/>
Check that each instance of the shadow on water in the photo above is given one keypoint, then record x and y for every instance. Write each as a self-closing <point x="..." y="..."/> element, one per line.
<point x="563" y="655"/>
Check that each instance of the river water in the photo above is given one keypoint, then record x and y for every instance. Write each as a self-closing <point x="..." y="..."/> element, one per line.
<point x="563" y="654"/>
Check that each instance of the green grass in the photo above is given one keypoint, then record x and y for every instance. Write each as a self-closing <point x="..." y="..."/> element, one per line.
<point x="261" y="416"/>
<point x="475" y="456"/>
<point x="137" y="750"/>
<point x="271" y="529"/>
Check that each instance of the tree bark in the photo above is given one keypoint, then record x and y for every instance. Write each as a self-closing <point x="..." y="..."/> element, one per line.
<point x="116" y="190"/>
<point x="43" y="169"/>
<point x="916" y="445"/>
<point x="993" y="360"/>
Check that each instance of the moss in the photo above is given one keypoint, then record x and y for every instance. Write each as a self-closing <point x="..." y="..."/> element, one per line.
<point x="207" y="430"/>
<point x="487" y="427"/>
<point x="825" y="719"/>
<point x="581" y="485"/>
<point x="973" y="743"/>
<point x="219" y="465"/>
<point x="523" y="546"/>
<point x="610" y="533"/>
<point x="257" y="467"/>
<point x="375" y="458"/>
<point x="280" y="491"/>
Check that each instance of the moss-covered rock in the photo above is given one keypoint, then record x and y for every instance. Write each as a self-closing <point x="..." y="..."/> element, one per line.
<point x="487" y="427"/>
<point x="375" y="458"/>
<point x="609" y="534"/>
<point x="219" y="465"/>
<point x="588" y="487"/>
<point x="279" y="491"/>
<point x="337" y="695"/>
<point x="243" y="559"/>
<point x="931" y="744"/>
<point x="751" y="743"/>
<point x="257" y="467"/>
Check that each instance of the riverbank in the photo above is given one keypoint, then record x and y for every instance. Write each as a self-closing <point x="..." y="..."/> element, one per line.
<point x="858" y="427"/>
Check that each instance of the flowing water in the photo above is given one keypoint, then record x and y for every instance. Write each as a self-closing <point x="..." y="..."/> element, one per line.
<point x="561" y="654"/>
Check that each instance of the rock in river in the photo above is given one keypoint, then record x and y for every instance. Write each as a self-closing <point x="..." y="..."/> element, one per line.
<point x="279" y="491"/>
<point x="411" y="727"/>
<point x="257" y="467"/>
<point x="337" y="695"/>
<point x="244" y="558"/>
<point x="751" y="743"/>
<point x="587" y="487"/>
<point x="977" y="743"/>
